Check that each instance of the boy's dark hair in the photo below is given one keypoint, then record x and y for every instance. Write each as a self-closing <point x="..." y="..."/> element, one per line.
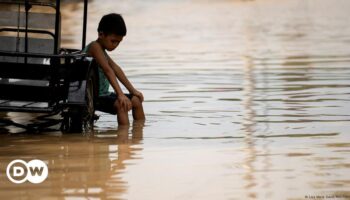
<point x="112" y="24"/>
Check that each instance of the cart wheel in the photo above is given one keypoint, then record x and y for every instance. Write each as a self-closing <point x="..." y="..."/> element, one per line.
<point x="72" y="121"/>
<point x="88" y="118"/>
<point x="81" y="119"/>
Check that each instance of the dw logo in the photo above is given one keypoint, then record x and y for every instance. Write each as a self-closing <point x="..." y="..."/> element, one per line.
<point x="19" y="171"/>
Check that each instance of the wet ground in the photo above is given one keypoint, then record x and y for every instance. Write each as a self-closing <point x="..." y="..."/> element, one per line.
<point x="244" y="100"/>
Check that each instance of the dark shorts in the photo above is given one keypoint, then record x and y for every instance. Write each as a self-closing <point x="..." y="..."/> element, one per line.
<point x="106" y="103"/>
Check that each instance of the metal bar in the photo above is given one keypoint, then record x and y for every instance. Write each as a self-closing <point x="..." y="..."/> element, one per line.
<point x="27" y="109"/>
<point x="57" y="26"/>
<point x="18" y="25"/>
<point x="30" y="103"/>
<point x="39" y="55"/>
<point x="27" y="8"/>
<point x="84" y="23"/>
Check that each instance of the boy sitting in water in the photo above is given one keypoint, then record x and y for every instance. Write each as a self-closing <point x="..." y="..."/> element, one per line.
<point x="111" y="31"/>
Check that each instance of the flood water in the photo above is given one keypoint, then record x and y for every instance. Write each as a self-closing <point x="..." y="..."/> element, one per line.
<point x="243" y="99"/>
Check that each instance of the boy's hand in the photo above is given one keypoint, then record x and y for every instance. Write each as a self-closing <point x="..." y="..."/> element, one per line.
<point x="124" y="102"/>
<point x="138" y="94"/>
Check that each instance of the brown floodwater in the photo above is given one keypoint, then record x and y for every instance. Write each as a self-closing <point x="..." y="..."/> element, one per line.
<point x="244" y="100"/>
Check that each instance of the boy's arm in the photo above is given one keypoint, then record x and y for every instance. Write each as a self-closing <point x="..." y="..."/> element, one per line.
<point x="96" y="52"/>
<point x="123" y="79"/>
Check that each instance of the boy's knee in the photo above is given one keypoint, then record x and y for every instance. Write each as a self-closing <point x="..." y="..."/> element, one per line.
<point x="119" y="108"/>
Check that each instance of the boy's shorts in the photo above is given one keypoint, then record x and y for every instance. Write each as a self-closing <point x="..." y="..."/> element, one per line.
<point x="106" y="103"/>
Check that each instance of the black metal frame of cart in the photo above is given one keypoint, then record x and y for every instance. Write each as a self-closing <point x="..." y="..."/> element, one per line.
<point x="59" y="81"/>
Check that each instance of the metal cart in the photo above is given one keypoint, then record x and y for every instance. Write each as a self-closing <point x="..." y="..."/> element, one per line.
<point x="36" y="74"/>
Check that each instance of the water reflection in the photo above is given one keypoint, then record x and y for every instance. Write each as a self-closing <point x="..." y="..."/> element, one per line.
<point x="79" y="167"/>
<point x="245" y="100"/>
<point x="12" y="122"/>
<point x="248" y="124"/>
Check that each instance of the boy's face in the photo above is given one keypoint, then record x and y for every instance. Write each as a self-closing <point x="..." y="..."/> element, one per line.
<point x="110" y="41"/>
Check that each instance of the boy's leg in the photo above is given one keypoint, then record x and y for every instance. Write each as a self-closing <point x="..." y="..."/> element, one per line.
<point x="122" y="114"/>
<point x="110" y="104"/>
<point x="137" y="109"/>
